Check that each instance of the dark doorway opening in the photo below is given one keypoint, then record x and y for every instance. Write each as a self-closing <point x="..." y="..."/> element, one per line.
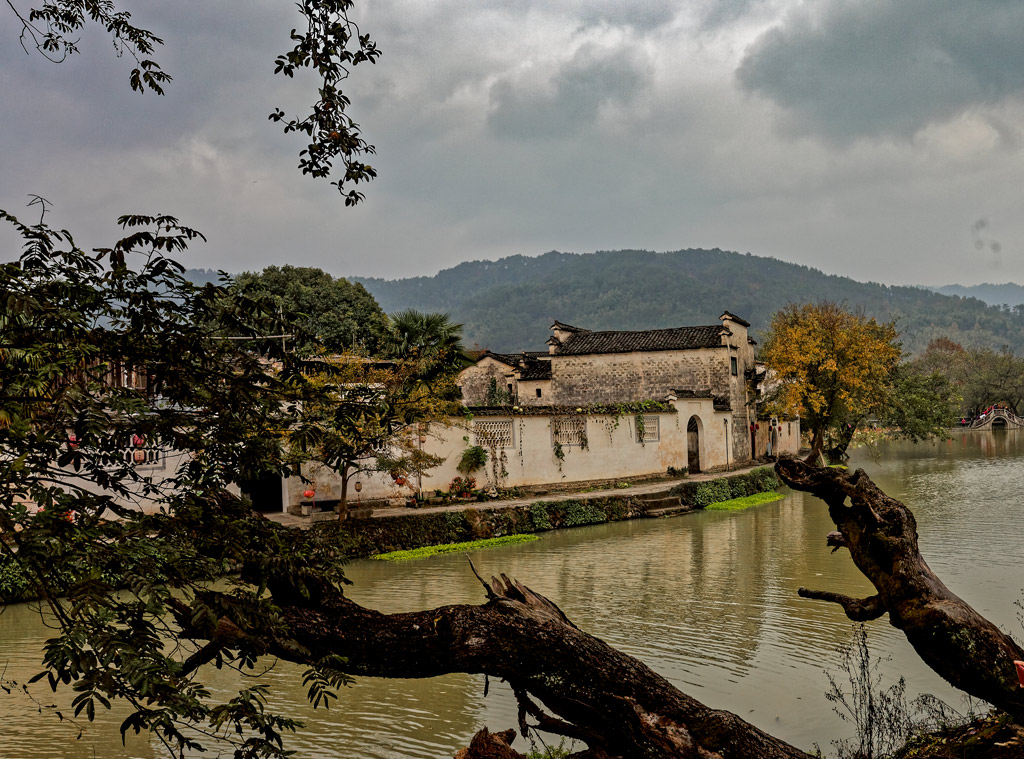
<point x="264" y="492"/>
<point x="693" y="445"/>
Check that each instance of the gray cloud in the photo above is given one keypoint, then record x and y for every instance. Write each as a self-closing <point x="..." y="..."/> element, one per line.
<point x="517" y="127"/>
<point x="865" y="68"/>
<point x="572" y="99"/>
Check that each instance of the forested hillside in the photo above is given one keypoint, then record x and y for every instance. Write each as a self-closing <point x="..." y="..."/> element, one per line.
<point x="508" y="305"/>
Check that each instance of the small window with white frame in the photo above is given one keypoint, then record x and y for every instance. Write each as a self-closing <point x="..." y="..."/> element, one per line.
<point x="647" y="428"/>
<point x="493" y="434"/>
<point x="569" y="430"/>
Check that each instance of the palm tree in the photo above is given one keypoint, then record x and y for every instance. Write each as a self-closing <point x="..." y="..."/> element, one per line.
<point x="433" y="338"/>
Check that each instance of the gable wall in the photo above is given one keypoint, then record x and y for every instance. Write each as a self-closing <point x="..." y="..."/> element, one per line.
<point x="622" y="377"/>
<point x="475" y="380"/>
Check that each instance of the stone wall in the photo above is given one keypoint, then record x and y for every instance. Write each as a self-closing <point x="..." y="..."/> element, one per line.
<point x="365" y="537"/>
<point x="475" y="381"/>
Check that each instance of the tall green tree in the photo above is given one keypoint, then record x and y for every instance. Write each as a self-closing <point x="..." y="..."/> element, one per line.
<point x="321" y="310"/>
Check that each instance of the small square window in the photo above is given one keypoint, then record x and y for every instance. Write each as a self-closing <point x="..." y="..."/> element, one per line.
<point x="735" y="369"/>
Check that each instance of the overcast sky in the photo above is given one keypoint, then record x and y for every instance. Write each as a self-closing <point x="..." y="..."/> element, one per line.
<point x="880" y="139"/>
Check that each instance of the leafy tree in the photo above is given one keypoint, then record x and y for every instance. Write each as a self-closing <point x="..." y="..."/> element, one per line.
<point x="432" y="339"/>
<point x="921" y="405"/>
<point x="97" y="353"/>
<point x="981" y="376"/>
<point x="321" y="310"/>
<point x="831" y="366"/>
<point x="363" y="415"/>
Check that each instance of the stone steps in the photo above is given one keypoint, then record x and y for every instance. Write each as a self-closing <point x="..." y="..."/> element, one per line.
<point x="662" y="505"/>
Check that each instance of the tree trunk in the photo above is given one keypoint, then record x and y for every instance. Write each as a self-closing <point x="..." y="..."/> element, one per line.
<point x="881" y="534"/>
<point x="837" y="453"/>
<point x="817" y="443"/>
<point x="612" y="702"/>
<point x="343" y="503"/>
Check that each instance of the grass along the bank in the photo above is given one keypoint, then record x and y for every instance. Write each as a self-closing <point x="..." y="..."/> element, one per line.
<point x="738" y="504"/>
<point x="469" y="545"/>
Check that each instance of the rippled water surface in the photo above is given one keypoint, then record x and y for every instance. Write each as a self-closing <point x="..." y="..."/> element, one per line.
<point x="708" y="600"/>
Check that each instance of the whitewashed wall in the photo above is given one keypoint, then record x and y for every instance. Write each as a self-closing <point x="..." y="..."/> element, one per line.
<point x="612" y="452"/>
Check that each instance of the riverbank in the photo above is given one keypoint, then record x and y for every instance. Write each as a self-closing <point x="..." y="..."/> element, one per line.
<point x="401" y="529"/>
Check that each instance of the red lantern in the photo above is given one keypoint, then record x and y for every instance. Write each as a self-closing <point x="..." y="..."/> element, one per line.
<point x="72" y="440"/>
<point x="757" y="426"/>
<point x="309" y="492"/>
<point x="399" y="481"/>
<point x="139" y="456"/>
<point x="138" y="441"/>
<point x="1020" y="672"/>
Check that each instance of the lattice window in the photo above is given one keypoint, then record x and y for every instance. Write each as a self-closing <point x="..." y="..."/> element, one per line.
<point x="650" y="432"/>
<point x="493" y="434"/>
<point x="140" y="452"/>
<point x="571" y="430"/>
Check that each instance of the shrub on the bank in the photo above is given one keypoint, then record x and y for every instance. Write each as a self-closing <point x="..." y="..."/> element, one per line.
<point x="365" y="537"/>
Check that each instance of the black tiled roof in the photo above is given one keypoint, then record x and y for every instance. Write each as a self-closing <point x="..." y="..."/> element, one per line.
<point x="677" y="338"/>
<point x="735" y="318"/>
<point x="506" y="358"/>
<point x="535" y="370"/>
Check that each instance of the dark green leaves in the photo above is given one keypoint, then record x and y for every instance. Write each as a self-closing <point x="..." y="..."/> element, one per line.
<point x="330" y="46"/>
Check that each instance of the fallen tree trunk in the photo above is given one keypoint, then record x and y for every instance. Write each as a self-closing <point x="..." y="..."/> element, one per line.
<point x="614" y="703"/>
<point x="951" y="637"/>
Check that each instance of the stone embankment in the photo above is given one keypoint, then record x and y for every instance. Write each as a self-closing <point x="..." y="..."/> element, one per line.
<point x="403" y="529"/>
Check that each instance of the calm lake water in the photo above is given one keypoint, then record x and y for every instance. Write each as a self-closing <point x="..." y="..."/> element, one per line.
<point x="708" y="600"/>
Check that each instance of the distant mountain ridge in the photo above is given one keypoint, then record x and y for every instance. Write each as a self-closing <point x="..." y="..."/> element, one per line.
<point x="508" y="304"/>
<point x="1010" y="293"/>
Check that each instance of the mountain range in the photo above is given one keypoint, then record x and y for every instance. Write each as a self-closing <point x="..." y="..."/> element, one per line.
<point x="1009" y="294"/>
<point x="508" y="305"/>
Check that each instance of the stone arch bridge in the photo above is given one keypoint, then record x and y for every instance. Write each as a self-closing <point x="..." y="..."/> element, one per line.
<point x="999" y="418"/>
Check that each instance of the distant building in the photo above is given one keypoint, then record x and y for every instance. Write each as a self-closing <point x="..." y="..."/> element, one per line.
<point x="585" y="367"/>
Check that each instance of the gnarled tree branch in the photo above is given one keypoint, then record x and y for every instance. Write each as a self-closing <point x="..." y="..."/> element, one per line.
<point x="857" y="609"/>
<point x="881" y="533"/>
<point x="614" y="702"/>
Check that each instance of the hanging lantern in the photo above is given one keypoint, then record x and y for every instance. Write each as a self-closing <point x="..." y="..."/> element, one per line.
<point x="72" y="440"/>
<point x="139" y="456"/>
<point x="309" y="492"/>
<point x="1020" y="672"/>
<point x="757" y="426"/>
<point x="359" y="486"/>
<point x="138" y="441"/>
<point x="399" y="481"/>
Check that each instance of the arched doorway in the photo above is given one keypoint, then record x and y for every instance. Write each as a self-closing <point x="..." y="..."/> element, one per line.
<point x="693" y="444"/>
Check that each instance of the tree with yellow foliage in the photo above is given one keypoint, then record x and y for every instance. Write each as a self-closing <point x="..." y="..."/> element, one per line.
<point x="356" y="414"/>
<point x="833" y="367"/>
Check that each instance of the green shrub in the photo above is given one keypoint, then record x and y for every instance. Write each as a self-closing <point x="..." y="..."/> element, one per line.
<point x="539" y="516"/>
<point x="473" y="458"/>
<point x="707" y="493"/>
<point x="13" y="582"/>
